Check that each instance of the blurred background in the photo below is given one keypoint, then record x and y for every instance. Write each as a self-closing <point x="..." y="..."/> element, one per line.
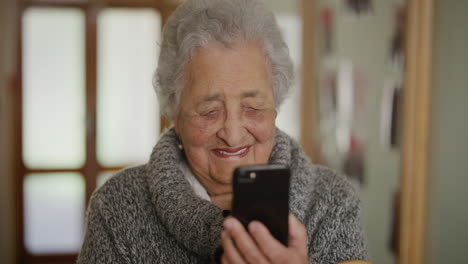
<point x="380" y="96"/>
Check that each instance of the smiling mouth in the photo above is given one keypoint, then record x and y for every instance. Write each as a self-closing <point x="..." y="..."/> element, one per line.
<point x="232" y="152"/>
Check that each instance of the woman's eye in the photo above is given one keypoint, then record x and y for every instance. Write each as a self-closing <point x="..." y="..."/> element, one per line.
<point x="250" y="108"/>
<point x="210" y="113"/>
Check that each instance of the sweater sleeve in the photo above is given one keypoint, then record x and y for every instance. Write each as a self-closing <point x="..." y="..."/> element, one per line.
<point x="349" y="242"/>
<point x="339" y="234"/>
<point x="98" y="244"/>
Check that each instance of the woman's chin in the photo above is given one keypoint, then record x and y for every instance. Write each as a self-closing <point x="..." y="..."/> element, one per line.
<point x="223" y="177"/>
<point x="225" y="169"/>
<point x="227" y="164"/>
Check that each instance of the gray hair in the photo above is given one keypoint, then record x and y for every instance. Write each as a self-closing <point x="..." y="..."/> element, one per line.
<point x="196" y="23"/>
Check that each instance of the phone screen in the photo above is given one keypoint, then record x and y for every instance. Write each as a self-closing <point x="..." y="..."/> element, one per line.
<point x="262" y="193"/>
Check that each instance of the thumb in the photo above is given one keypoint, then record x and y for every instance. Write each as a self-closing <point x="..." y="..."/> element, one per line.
<point x="297" y="234"/>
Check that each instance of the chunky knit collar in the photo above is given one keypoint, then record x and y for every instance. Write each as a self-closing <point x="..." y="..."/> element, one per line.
<point x="194" y="222"/>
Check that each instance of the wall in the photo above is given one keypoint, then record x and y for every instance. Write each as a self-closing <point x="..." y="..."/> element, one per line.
<point x="7" y="68"/>
<point x="448" y="199"/>
<point x="365" y="41"/>
<point x="290" y="23"/>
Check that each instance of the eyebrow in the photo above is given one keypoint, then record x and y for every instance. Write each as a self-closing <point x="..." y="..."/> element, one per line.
<point x="211" y="98"/>
<point x="249" y="94"/>
<point x="218" y="97"/>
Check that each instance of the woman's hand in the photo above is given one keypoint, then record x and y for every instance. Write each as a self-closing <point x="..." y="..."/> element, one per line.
<point x="259" y="246"/>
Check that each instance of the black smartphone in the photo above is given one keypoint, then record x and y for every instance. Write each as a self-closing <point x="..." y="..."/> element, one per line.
<point x="262" y="193"/>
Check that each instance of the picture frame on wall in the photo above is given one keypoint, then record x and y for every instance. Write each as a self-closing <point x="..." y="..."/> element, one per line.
<point x="358" y="8"/>
<point x="326" y="31"/>
<point x="390" y="114"/>
<point x="398" y="39"/>
<point x="343" y="118"/>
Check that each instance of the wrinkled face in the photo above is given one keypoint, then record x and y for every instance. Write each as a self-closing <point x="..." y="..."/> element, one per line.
<point x="227" y="113"/>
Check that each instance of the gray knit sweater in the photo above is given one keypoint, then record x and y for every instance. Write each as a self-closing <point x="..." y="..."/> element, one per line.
<point x="150" y="213"/>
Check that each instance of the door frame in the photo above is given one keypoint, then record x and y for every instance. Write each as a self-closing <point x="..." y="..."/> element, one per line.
<point x="416" y="121"/>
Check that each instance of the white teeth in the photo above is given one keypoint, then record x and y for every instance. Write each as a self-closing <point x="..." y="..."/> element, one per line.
<point x="233" y="153"/>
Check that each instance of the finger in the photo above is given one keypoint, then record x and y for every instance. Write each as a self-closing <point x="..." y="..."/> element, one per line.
<point x="243" y="242"/>
<point x="231" y="254"/>
<point x="224" y="260"/>
<point x="297" y="234"/>
<point x="270" y="246"/>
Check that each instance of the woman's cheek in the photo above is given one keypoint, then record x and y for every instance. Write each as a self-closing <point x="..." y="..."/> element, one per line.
<point x="262" y="125"/>
<point x="200" y="129"/>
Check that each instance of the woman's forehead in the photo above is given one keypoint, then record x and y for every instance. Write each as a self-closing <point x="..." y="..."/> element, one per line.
<point x="217" y="57"/>
<point x="217" y="72"/>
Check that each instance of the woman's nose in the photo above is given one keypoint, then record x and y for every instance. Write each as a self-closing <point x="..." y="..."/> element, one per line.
<point x="232" y="131"/>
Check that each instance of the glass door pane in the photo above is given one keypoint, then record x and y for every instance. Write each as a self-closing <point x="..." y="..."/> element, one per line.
<point x="103" y="177"/>
<point x="127" y="109"/>
<point x="289" y="116"/>
<point x="53" y="88"/>
<point x="53" y="212"/>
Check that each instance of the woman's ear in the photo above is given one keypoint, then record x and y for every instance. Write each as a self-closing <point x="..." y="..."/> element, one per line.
<point x="177" y="130"/>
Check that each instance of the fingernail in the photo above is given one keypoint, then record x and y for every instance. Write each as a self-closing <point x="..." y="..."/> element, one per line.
<point x="253" y="226"/>
<point x="228" y="223"/>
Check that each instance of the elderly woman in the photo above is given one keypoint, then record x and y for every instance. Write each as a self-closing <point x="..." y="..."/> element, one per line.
<point x="223" y="72"/>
